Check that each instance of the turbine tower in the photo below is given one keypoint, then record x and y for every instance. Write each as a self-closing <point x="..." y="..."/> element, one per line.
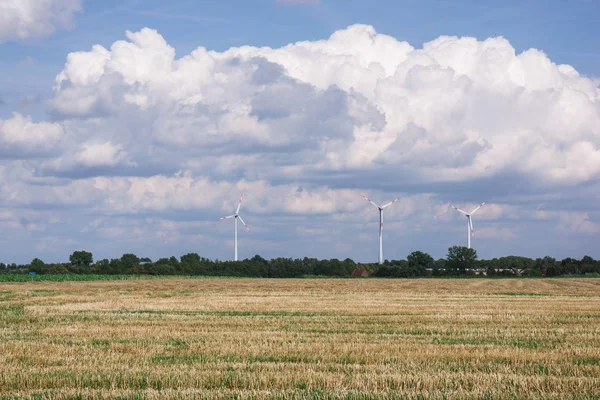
<point x="470" y="231"/>
<point x="236" y="216"/>
<point x="380" y="208"/>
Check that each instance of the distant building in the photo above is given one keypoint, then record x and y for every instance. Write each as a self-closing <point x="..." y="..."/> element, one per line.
<point x="360" y="273"/>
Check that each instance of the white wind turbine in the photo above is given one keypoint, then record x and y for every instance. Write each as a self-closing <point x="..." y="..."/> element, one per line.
<point x="470" y="231"/>
<point x="236" y="216"/>
<point x="381" y="208"/>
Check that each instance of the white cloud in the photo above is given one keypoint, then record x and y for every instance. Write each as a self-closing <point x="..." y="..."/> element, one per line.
<point x="34" y="19"/>
<point x="303" y="129"/>
<point x="455" y="110"/>
<point x="22" y="138"/>
<point x="100" y="154"/>
<point x="571" y="221"/>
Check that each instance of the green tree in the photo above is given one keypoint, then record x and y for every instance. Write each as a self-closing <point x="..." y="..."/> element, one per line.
<point x="349" y="266"/>
<point x="191" y="259"/>
<point x="81" y="258"/>
<point x="588" y="265"/>
<point x="191" y="263"/>
<point x="461" y="258"/>
<point x="57" y="269"/>
<point x="439" y="267"/>
<point x="37" y="266"/>
<point x="103" y="266"/>
<point x="337" y="268"/>
<point x="419" y="262"/>
<point x="309" y="265"/>
<point x="545" y="264"/>
<point x="258" y="259"/>
<point x="515" y="264"/>
<point x="129" y="261"/>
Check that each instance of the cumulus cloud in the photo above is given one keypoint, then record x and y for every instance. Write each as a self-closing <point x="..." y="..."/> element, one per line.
<point x="91" y="158"/>
<point x="22" y="138"/>
<point x="96" y="154"/>
<point x="34" y="19"/>
<point x="303" y="127"/>
<point x="457" y="109"/>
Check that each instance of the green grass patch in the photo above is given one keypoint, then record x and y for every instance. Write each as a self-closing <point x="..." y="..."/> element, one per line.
<point x="587" y="361"/>
<point x="69" y="277"/>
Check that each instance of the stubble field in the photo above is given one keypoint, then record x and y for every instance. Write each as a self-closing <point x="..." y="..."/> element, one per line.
<point x="305" y="338"/>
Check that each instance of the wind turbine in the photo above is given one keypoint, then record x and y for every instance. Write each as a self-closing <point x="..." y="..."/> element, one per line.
<point x="470" y="231"/>
<point x="381" y="208"/>
<point x="236" y="216"/>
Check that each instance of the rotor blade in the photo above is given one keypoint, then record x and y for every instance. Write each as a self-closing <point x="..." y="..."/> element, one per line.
<point x="230" y="216"/>
<point x="244" y="223"/>
<point x="391" y="202"/>
<point x="471" y="226"/>
<point x="478" y="207"/>
<point x="459" y="210"/>
<point x="239" y="204"/>
<point x="369" y="200"/>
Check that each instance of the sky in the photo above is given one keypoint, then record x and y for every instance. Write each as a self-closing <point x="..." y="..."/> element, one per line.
<point x="132" y="126"/>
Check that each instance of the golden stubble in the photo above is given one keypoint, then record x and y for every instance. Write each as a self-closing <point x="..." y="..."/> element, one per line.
<point x="301" y="338"/>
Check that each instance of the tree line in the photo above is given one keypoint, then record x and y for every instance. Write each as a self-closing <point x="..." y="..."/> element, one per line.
<point x="460" y="261"/>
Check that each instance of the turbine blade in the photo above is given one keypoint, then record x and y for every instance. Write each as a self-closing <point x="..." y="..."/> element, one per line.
<point x="459" y="210"/>
<point x="230" y="216"/>
<point x="242" y="221"/>
<point x="369" y="200"/>
<point x="478" y="207"/>
<point x="471" y="226"/>
<point x="391" y="202"/>
<point x="239" y="204"/>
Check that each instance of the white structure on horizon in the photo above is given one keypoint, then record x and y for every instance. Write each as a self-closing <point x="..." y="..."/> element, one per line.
<point x="236" y="216"/>
<point x="381" y="208"/>
<point x="470" y="231"/>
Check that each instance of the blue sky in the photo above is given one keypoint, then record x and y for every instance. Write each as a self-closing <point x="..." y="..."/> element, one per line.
<point x="125" y="156"/>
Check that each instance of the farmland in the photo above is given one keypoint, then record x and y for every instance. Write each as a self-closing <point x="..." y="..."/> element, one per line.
<point x="301" y="338"/>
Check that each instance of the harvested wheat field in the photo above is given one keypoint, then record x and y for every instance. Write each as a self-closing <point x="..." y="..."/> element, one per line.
<point x="301" y="338"/>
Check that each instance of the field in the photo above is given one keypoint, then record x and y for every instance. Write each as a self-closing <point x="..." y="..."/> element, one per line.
<point x="304" y="338"/>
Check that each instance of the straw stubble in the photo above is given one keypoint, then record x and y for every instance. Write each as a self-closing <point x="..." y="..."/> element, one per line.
<point x="304" y="338"/>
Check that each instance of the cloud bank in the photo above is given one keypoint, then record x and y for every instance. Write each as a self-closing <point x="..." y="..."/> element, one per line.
<point x="34" y="19"/>
<point x="139" y="133"/>
<point x="456" y="109"/>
